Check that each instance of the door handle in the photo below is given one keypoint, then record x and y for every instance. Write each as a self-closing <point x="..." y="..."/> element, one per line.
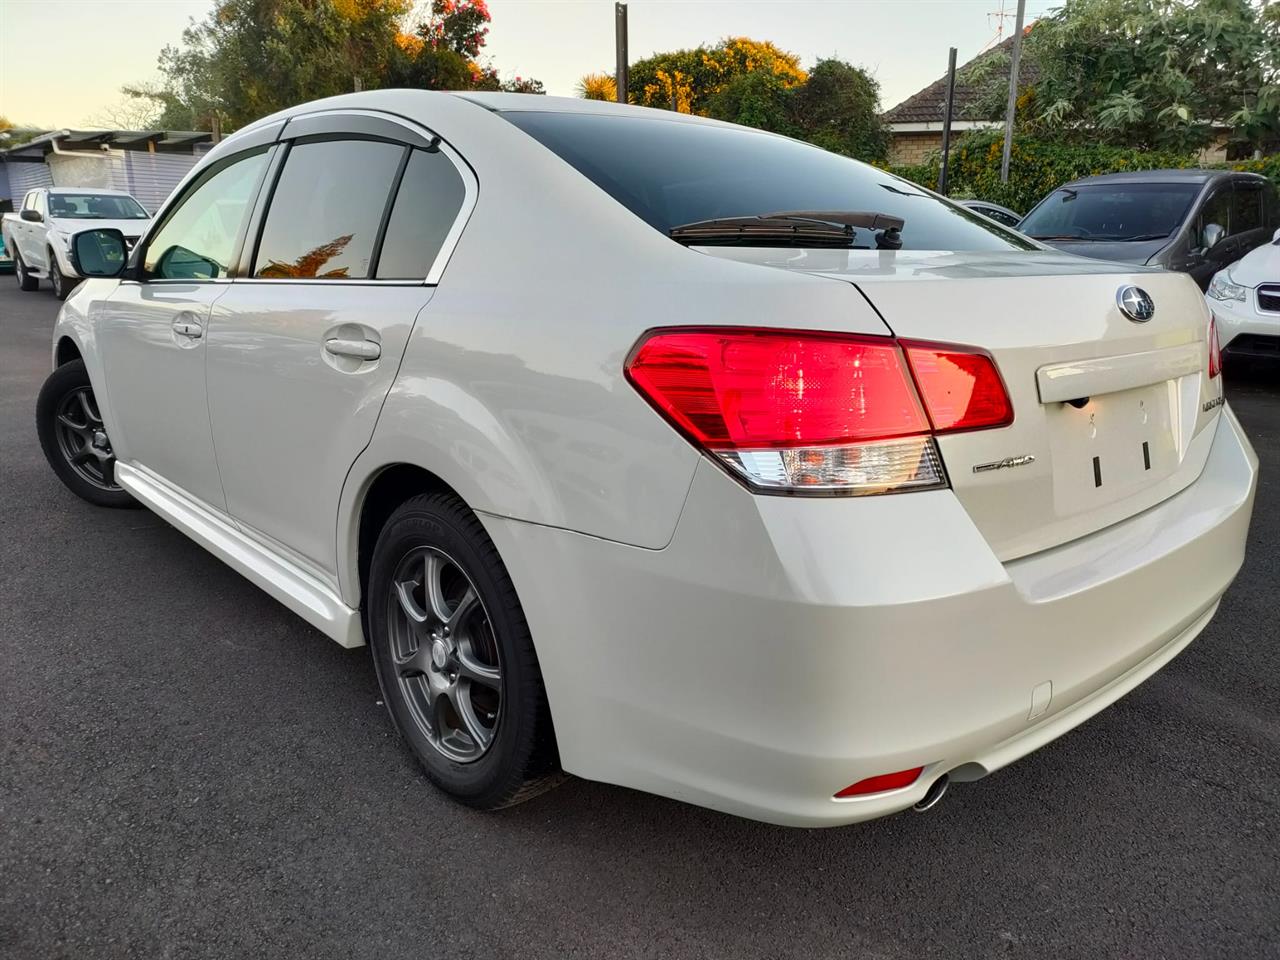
<point x="188" y="328"/>
<point x="356" y="349"/>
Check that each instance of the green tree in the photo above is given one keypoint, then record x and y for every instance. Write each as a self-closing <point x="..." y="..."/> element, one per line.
<point x="1150" y="74"/>
<point x="838" y="108"/>
<point x="687" y="80"/>
<point x="758" y="98"/>
<point x="754" y="83"/>
<point x="248" y="58"/>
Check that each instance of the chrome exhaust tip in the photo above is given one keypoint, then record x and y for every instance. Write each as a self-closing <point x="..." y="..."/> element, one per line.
<point x="933" y="795"/>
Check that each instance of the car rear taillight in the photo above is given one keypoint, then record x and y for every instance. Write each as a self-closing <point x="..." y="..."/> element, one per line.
<point x="1215" y="351"/>
<point x="962" y="389"/>
<point x="817" y="412"/>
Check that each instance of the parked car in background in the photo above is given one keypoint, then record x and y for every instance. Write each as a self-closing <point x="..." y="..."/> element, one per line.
<point x="6" y="260"/>
<point x="1245" y="299"/>
<point x="779" y="484"/>
<point x="1001" y="215"/>
<point x="37" y="234"/>
<point x="1194" y="221"/>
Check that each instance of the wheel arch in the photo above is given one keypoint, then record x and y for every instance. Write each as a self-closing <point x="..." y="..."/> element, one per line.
<point x="381" y="492"/>
<point x="65" y="351"/>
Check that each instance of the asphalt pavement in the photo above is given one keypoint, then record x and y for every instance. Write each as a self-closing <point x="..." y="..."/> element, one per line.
<point x="189" y="770"/>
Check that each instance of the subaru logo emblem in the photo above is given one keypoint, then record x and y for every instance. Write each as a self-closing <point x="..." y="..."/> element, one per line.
<point x="1135" y="303"/>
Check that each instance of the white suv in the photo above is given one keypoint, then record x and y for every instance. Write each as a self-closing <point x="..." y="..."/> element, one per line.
<point x="660" y="451"/>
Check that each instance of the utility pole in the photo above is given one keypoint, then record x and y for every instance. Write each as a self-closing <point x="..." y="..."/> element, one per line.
<point x="1014" y="58"/>
<point x="620" y="42"/>
<point x="946" y="121"/>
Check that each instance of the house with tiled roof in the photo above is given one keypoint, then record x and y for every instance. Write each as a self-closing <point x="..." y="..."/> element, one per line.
<point x="915" y="125"/>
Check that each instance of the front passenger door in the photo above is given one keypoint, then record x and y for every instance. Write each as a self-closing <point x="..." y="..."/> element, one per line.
<point x="1215" y="209"/>
<point x="153" y="330"/>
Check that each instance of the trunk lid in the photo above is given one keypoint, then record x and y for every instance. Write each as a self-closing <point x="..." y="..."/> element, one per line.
<point x="1110" y="415"/>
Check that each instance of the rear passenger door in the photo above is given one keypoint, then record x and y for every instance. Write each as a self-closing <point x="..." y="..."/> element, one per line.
<point x="304" y="347"/>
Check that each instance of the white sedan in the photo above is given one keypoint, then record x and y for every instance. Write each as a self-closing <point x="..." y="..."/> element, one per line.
<point x="660" y="451"/>
<point x="1245" y="299"/>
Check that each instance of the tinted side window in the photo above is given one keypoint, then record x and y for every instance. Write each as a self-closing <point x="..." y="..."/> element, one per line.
<point x="1246" y="210"/>
<point x="1273" y="207"/>
<point x="198" y="238"/>
<point x="326" y="210"/>
<point x="1217" y="209"/>
<point x="430" y="196"/>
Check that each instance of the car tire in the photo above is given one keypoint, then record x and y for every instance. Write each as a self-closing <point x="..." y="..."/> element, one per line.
<point x="57" y="281"/>
<point x="74" y="438"/>
<point x="484" y="736"/>
<point x="25" y="280"/>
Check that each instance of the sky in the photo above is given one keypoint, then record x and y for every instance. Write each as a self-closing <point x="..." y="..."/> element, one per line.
<point x="62" y="62"/>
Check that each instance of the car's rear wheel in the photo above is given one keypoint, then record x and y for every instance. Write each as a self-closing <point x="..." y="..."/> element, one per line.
<point x="454" y="656"/>
<point x="25" y="280"/>
<point x="74" y="438"/>
<point x="56" y="280"/>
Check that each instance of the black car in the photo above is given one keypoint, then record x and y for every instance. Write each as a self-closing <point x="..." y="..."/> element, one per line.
<point x="1197" y="221"/>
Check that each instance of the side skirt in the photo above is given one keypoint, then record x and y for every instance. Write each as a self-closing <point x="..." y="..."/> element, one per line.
<point x="300" y="592"/>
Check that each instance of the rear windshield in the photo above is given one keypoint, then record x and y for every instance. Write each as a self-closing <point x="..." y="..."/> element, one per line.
<point x="670" y="173"/>
<point x="1116" y="212"/>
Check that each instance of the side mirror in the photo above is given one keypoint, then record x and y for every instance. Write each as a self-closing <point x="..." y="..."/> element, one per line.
<point x="1212" y="236"/>
<point x="32" y="216"/>
<point x="179" y="263"/>
<point x="99" y="253"/>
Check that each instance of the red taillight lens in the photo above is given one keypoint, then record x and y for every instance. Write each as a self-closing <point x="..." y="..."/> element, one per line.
<point x="818" y="412"/>
<point x="733" y="389"/>
<point x="962" y="389"/>
<point x="886" y="781"/>
<point x="1215" y="351"/>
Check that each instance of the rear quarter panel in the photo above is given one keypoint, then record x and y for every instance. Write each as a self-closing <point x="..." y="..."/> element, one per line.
<point x="512" y="387"/>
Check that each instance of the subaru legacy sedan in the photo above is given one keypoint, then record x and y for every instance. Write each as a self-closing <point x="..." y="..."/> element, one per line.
<point x="660" y="451"/>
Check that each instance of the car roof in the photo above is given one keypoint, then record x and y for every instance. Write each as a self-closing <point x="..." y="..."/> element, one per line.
<point x="977" y="202"/>
<point x="539" y="103"/>
<point x="1191" y="175"/>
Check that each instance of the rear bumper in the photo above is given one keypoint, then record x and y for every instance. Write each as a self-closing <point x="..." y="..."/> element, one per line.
<point x="779" y="649"/>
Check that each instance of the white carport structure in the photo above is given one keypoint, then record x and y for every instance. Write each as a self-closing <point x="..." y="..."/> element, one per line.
<point x="146" y="163"/>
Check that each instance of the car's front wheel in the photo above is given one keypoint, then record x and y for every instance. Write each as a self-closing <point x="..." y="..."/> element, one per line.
<point x="56" y="279"/>
<point x="454" y="656"/>
<point x="74" y="437"/>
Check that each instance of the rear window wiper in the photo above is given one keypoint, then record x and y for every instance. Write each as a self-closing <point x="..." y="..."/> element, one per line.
<point x="818" y="228"/>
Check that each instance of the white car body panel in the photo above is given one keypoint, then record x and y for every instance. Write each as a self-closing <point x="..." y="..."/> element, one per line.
<point x="1257" y="268"/>
<point x="752" y="653"/>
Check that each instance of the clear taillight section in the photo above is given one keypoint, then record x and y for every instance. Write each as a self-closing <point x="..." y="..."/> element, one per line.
<point x="818" y="412"/>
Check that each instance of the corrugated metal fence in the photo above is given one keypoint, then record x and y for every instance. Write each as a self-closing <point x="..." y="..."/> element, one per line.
<point x="151" y="177"/>
<point x="27" y="176"/>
